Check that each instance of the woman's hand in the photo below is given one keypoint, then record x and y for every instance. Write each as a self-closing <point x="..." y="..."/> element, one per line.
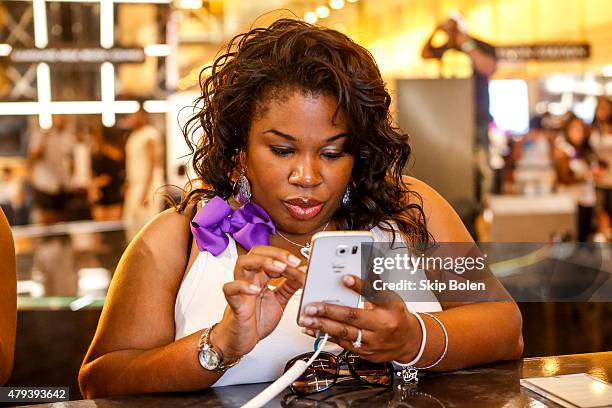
<point x="389" y="330"/>
<point x="254" y="310"/>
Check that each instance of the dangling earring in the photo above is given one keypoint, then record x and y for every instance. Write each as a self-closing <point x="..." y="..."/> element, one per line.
<point x="242" y="189"/>
<point x="346" y="198"/>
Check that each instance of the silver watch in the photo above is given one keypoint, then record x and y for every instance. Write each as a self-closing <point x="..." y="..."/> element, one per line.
<point x="209" y="357"/>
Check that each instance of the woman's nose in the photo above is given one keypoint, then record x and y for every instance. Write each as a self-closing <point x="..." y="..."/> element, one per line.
<point x="305" y="174"/>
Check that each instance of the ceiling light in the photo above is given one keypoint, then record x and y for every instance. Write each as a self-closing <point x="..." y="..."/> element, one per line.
<point x="67" y="107"/>
<point x="43" y="87"/>
<point x="336" y="4"/>
<point x="322" y="11"/>
<point x="157" y="50"/>
<point x="40" y="23"/>
<point x="107" y="79"/>
<point x="107" y="23"/>
<point x="159" y="106"/>
<point x="190" y="4"/>
<point x="115" y="1"/>
<point x="311" y="17"/>
<point x="5" y="50"/>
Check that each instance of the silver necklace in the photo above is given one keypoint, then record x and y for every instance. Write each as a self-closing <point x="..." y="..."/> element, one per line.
<point x="304" y="249"/>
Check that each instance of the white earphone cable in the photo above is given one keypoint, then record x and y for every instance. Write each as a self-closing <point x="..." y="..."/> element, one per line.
<point x="296" y="370"/>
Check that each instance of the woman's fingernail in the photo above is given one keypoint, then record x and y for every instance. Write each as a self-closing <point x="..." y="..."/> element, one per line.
<point x="307" y="321"/>
<point x="293" y="260"/>
<point x="254" y="288"/>
<point x="303" y="268"/>
<point x="281" y="266"/>
<point x="348" y="280"/>
<point x="311" y="310"/>
<point x="308" y="332"/>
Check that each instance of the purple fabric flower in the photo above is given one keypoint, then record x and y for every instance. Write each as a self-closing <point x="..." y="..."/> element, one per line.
<point x="249" y="225"/>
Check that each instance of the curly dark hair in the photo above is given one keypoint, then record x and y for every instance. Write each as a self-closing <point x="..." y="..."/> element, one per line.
<point x="260" y="65"/>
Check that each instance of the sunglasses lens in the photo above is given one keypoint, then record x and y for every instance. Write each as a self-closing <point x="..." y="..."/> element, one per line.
<point x="320" y="376"/>
<point x="372" y="373"/>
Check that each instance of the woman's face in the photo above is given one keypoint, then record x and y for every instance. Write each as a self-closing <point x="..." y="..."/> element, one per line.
<point x="575" y="132"/>
<point x="603" y="110"/>
<point x="295" y="160"/>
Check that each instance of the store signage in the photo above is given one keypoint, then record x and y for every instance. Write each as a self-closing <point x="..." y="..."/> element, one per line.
<point x="543" y="52"/>
<point x="76" y="55"/>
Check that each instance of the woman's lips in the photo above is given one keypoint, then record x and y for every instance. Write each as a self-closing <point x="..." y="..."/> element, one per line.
<point x="302" y="212"/>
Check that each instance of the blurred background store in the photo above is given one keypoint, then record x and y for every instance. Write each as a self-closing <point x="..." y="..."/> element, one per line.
<point x="88" y="88"/>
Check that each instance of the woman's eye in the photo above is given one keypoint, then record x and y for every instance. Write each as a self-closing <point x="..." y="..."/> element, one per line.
<point x="280" y="151"/>
<point x="332" y="155"/>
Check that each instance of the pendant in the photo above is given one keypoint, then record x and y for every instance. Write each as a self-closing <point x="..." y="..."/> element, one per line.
<point x="305" y="251"/>
<point x="409" y="374"/>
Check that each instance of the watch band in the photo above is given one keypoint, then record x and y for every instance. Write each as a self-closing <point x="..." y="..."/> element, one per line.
<point x="204" y="338"/>
<point x="205" y="345"/>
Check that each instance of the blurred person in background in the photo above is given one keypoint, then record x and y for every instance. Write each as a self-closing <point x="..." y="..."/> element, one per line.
<point x="484" y="64"/>
<point x="78" y="207"/>
<point x="574" y="160"/>
<point x="601" y="142"/>
<point x="50" y="154"/>
<point x="107" y="190"/>
<point x="11" y="195"/>
<point x="534" y="172"/>
<point x="8" y="300"/>
<point x="108" y="165"/>
<point x="144" y="174"/>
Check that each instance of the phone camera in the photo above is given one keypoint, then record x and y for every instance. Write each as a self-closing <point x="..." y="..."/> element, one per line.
<point x="342" y="250"/>
<point x="355" y="249"/>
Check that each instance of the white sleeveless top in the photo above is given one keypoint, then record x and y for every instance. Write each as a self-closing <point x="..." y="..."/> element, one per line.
<point x="200" y="303"/>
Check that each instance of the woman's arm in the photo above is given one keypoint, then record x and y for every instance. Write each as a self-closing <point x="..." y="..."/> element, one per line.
<point x="8" y="299"/>
<point x="133" y="350"/>
<point x="484" y="60"/>
<point x="478" y="332"/>
<point x="429" y="51"/>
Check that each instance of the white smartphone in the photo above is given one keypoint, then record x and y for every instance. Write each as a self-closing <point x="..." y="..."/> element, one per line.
<point x="334" y="254"/>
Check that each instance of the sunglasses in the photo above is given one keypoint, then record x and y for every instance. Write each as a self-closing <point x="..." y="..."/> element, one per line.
<point x="328" y="369"/>
<point x="364" y="397"/>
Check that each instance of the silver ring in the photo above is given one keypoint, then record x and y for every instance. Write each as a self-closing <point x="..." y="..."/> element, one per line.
<point x="357" y="343"/>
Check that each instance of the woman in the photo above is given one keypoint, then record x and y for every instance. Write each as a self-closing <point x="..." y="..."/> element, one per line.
<point x="574" y="160"/>
<point x="601" y="142"/>
<point x="143" y="171"/>
<point x="108" y="165"/>
<point x="301" y="115"/>
<point x="8" y="299"/>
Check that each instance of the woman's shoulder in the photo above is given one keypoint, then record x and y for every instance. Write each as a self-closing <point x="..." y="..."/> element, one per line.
<point x="7" y="249"/>
<point x="8" y="302"/>
<point x="167" y="233"/>
<point x="6" y="238"/>
<point x="170" y="221"/>
<point x="443" y="222"/>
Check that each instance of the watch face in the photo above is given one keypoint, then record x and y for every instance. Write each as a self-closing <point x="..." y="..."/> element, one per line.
<point x="209" y="359"/>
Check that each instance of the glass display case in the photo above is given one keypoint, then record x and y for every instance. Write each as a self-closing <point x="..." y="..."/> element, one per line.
<point x="68" y="265"/>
